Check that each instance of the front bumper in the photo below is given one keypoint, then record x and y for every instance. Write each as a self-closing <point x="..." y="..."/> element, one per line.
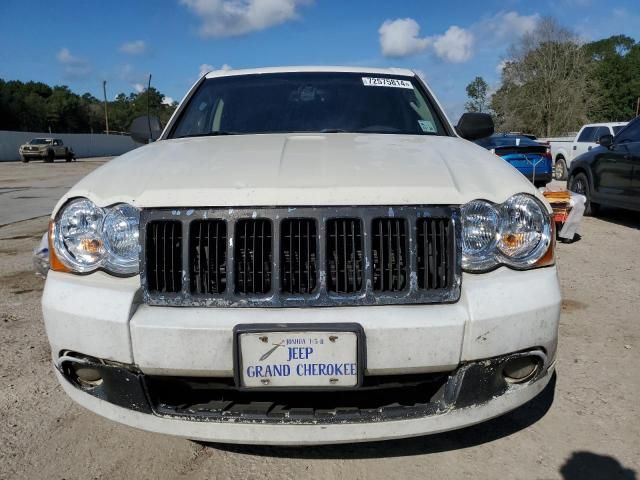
<point x="498" y="313"/>
<point x="473" y="393"/>
<point x="33" y="154"/>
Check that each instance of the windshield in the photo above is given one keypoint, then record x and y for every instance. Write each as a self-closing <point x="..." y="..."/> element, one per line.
<point x="617" y="128"/>
<point x="308" y="102"/>
<point x="39" y="141"/>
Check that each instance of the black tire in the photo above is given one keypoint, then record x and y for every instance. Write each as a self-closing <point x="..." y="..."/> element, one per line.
<point x="50" y="157"/>
<point x="560" y="169"/>
<point x="24" y="159"/>
<point x="68" y="157"/>
<point x="579" y="183"/>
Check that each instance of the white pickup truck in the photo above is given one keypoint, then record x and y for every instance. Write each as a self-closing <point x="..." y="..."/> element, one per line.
<point x="564" y="150"/>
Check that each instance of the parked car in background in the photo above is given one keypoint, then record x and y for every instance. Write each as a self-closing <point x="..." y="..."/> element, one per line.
<point x="564" y="151"/>
<point x="610" y="173"/>
<point x="47" y="149"/>
<point x="529" y="157"/>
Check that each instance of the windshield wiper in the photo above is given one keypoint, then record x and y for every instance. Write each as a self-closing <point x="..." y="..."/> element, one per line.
<point x="208" y="134"/>
<point x="333" y="130"/>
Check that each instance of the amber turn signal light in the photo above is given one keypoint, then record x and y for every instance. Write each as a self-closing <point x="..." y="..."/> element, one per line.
<point x="54" y="262"/>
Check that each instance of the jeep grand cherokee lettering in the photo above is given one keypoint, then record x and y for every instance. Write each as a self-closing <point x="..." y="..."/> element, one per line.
<point x="306" y="255"/>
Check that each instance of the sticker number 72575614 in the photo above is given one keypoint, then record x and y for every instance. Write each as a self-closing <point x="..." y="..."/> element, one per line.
<point x="386" y="82"/>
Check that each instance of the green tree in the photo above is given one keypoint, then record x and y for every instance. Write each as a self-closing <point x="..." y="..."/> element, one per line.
<point x="35" y="106"/>
<point x="545" y="83"/>
<point x="616" y="73"/>
<point x="477" y="92"/>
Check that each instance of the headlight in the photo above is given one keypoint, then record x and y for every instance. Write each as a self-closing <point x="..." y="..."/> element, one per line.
<point x="120" y="234"/>
<point x="86" y="237"/>
<point x="517" y="233"/>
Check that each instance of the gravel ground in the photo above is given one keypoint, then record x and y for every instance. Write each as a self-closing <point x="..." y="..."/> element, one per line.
<point x="588" y="430"/>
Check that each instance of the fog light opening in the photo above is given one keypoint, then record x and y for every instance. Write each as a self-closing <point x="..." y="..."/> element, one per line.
<point x="521" y="369"/>
<point x="87" y="376"/>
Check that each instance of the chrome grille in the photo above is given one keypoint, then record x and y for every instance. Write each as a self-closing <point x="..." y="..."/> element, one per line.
<point x="305" y="256"/>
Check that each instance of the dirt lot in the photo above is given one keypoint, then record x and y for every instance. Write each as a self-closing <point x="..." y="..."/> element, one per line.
<point x="589" y="430"/>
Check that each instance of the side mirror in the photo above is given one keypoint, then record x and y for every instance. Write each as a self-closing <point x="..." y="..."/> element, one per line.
<point x="473" y="126"/>
<point x="606" y="140"/>
<point x="145" y="129"/>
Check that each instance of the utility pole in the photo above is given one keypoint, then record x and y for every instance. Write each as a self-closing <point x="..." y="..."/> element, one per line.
<point x="106" y="113"/>
<point x="149" y="109"/>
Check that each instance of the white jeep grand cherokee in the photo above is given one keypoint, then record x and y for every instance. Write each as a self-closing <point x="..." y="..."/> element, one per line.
<point x="306" y="256"/>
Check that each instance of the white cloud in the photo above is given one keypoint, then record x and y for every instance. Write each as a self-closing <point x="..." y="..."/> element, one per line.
<point x="167" y="100"/>
<point x="455" y="46"/>
<point x="74" y="67"/>
<point x="136" y="47"/>
<point x="206" y="68"/>
<point x="400" y="38"/>
<point x="504" y="27"/>
<point x="138" y="87"/>
<point x="226" y="18"/>
<point x="500" y="66"/>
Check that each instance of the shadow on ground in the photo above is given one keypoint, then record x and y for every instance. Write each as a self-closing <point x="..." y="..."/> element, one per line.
<point x="591" y="466"/>
<point x="500" y="427"/>
<point x="626" y="218"/>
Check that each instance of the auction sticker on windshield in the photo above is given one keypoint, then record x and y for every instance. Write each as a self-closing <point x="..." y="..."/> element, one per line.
<point x="386" y="82"/>
<point x="298" y="359"/>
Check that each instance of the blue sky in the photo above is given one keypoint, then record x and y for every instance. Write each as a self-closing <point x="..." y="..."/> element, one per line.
<point x="80" y="43"/>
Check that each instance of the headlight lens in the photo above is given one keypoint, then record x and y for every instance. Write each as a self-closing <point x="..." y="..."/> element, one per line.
<point x="480" y="224"/>
<point x="78" y="235"/>
<point x="120" y="234"/>
<point x="517" y="233"/>
<point x="87" y="237"/>
<point x="522" y="229"/>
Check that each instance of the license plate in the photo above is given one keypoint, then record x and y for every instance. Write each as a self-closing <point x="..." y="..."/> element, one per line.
<point x="298" y="359"/>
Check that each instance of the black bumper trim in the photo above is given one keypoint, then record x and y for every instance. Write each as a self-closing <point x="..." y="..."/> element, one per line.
<point x="378" y="399"/>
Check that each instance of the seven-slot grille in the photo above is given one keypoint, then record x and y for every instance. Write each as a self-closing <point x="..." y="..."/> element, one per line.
<point x="300" y="256"/>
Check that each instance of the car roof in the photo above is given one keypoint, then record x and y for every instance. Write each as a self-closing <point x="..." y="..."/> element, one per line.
<point x="605" y="124"/>
<point x="301" y="69"/>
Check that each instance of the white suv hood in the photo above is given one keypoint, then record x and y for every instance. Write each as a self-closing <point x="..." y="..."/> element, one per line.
<point x="303" y="169"/>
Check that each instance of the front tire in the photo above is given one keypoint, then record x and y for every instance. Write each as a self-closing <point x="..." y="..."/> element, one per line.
<point x="50" y="157"/>
<point x="560" y="169"/>
<point x="24" y="159"/>
<point x="580" y="184"/>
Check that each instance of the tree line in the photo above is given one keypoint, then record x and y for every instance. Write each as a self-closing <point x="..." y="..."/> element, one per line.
<point x="38" y="107"/>
<point x="552" y="83"/>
